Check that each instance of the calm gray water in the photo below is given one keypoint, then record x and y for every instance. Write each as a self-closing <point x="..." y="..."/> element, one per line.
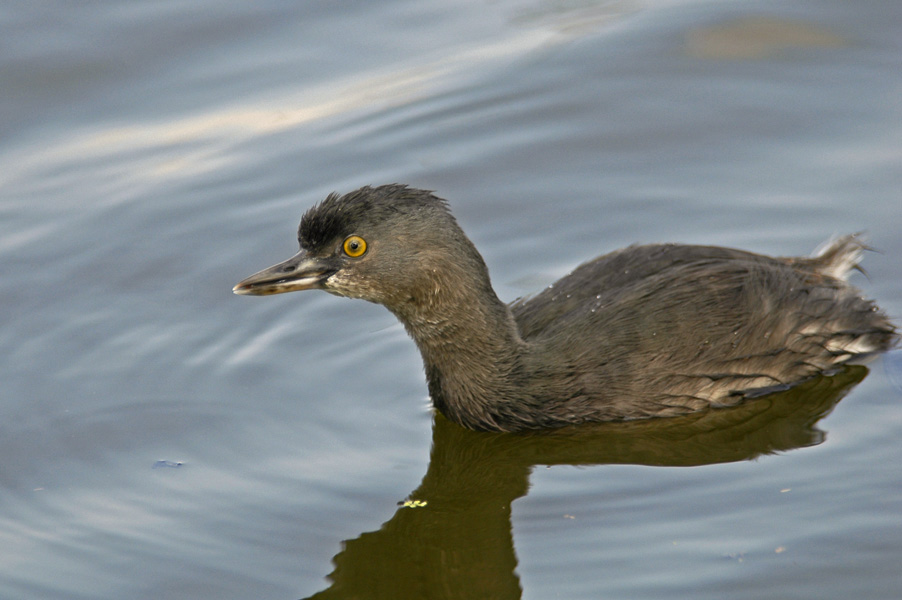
<point x="154" y="153"/>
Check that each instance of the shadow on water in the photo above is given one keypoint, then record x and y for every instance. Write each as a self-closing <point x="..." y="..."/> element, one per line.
<point x="454" y="539"/>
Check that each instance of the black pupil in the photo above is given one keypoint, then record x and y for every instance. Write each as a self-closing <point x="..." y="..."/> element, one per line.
<point x="354" y="245"/>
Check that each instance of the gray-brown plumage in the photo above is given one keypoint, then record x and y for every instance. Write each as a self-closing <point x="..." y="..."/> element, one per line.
<point x="647" y="331"/>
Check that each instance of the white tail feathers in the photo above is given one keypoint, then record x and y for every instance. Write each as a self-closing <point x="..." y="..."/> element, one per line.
<point x="839" y="255"/>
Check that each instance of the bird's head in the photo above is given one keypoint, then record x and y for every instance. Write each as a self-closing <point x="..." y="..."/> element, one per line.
<point x="391" y="244"/>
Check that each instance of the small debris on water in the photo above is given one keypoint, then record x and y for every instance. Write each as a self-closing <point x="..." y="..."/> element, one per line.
<point x="172" y="464"/>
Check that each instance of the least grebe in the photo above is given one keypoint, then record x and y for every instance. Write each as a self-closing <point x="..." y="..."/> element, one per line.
<point x="646" y="331"/>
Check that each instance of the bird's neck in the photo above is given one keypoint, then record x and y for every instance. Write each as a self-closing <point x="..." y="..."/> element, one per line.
<point x="472" y="351"/>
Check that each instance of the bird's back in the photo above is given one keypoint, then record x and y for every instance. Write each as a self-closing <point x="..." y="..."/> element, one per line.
<point x="683" y="327"/>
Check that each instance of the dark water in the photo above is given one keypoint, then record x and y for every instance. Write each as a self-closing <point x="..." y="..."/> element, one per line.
<point x="153" y="154"/>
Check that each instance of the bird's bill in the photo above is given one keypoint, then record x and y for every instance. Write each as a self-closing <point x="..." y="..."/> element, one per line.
<point x="300" y="272"/>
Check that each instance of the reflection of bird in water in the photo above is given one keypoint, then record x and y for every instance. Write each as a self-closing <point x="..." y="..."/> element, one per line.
<point x="658" y="330"/>
<point x="454" y="537"/>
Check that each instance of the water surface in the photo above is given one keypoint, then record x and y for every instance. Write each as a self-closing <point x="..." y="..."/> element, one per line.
<point x="155" y="153"/>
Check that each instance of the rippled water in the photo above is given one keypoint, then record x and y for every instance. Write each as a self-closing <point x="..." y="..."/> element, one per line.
<point x="164" y="438"/>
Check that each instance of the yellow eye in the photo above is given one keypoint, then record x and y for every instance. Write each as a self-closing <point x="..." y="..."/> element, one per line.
<point x="354" y="246"/>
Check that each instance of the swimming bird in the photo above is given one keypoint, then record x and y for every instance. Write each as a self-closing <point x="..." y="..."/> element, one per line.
<point x="646" y="331"/>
